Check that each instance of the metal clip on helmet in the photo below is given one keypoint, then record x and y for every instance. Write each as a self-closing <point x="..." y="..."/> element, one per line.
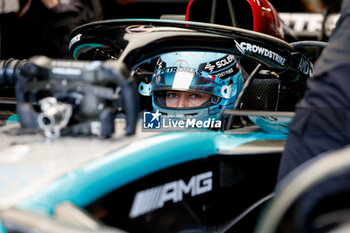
<point x="216" y="74"/>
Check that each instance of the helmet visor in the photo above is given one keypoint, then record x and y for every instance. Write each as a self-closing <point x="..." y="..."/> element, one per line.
<point x="187" y="79"/>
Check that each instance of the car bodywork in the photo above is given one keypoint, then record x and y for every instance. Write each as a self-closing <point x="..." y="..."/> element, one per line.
<point x="201" y="180"/>
<point x="37" y="175"/>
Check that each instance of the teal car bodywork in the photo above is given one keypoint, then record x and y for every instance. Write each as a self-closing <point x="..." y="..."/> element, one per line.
<point x="38" y="174"/>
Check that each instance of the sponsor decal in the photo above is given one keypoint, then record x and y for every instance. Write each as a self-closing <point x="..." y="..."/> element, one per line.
<point x="157" y="121"/>
<point x="74" y="40"/>
<point x="177" y="69"/>
<point x="219" y="64"/>
<point x="154" y="198"/>
<point x="226" y="72"/>
<point x="134" y="29"/>
<point x="181" y="63"/>
<point x="160" y="64"/>
<point x="305" y="67"/>
<point x="209" y="67"/>
<point x="245" y="47"/>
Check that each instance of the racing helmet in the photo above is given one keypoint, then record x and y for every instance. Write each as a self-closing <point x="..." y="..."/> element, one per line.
<point x="210" y="73"/>
<point x="268" y="94"/>
<point x="259" y="16"/>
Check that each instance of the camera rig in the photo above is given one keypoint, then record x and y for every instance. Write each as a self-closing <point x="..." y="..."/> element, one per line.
<point x="71" y="97"/>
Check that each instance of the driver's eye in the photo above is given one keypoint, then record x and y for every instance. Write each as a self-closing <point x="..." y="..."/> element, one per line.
<point x="195" y="96"/>
<point x="171" y="95"/>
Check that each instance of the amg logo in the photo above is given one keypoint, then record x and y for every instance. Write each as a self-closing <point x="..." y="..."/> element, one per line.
<point x="154" y="198"/>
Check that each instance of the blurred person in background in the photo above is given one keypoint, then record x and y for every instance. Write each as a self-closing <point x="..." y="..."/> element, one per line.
<point x="41" y="27"/>
<point x="322" y="119"/>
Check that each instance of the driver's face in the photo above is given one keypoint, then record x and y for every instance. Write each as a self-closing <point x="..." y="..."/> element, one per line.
<point x="184" y="99"/>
